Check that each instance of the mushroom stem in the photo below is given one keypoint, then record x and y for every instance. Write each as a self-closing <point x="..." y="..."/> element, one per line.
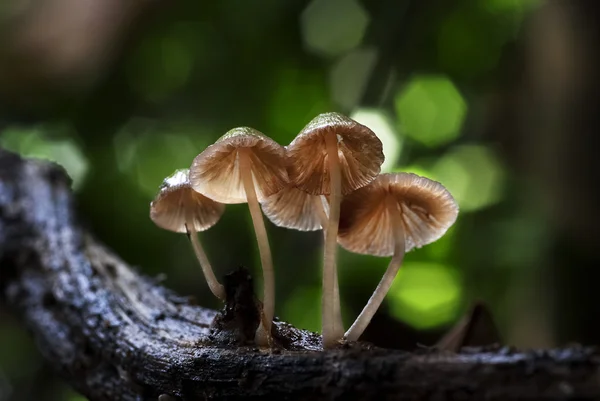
<point x="330" y="253"/>
<point x="363" y="320"/>
<point x="215" y="287"/>
<point x="263" y="333"/>
<point x="338" y="324"/>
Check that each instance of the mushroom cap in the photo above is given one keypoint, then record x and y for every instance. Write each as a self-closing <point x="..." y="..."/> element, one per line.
<point x="176" y="200"/>
<point x="426" y="208"/>
<point x="360" y="153"/>
<point x="216" y="171"/>
<point x="295" y="209"/>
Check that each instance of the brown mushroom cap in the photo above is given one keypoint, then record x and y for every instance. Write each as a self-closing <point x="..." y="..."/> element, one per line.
<point x="295" y="209"/>
<point x="176" y="200"/>
<point x="216" y="171"/>
<point x="427" y="210"/>
<point x="360" y="153"/>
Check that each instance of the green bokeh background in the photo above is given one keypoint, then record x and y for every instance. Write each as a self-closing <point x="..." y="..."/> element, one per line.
<point x="187" y="73"/>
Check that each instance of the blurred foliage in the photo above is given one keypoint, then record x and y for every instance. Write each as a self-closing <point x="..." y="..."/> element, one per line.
<point x="37" y="142"/>
<point x="426" y="294"/>
<point x="333" y="27"/>
<point x="430" y="110"/>
<point x="197" y="69"/>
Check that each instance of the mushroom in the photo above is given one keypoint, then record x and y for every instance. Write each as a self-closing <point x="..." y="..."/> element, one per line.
<point x="298" y="210"/>
<point x="178" y="208"/>
<point x="245" y="166"/>
<point x="333" y="155"/>
<point x="390" y="216"/>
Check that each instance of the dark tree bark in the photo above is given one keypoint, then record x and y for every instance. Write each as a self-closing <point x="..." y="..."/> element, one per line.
<point x="114" y="334"/>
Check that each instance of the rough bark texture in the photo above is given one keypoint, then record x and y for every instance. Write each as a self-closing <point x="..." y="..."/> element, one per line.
<point x="114" y="334"/>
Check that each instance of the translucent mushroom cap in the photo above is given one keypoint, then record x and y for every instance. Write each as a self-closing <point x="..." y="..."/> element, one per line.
<point x="295" y="209"/>
<point x="177" y="203"/>
<point x="426" y="208"/>
<point x="216" y="171"/>
<point x="360" y="153"/>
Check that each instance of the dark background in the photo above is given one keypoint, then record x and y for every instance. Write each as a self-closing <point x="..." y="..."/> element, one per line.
<point x="496" y="99"/>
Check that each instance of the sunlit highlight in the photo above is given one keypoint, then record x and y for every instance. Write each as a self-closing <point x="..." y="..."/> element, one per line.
<point x="425" y="295"/>
<point x="381" y="125"/>
<point x="430" y="110"/>
<point x="473" y="174"/>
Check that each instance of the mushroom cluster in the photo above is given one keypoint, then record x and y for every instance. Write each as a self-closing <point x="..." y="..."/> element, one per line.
<point x="327" y="178"/>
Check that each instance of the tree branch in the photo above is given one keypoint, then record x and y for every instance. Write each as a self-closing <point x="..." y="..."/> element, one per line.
<point x="114" y="334"/>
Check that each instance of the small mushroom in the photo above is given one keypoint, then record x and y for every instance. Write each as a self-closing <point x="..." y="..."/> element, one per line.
<point x="392" y="215"/>
<point x="333" y="155"/>
<point x="245" y="166"/>
<point x="178" y="208"/>
<point x="299" y="210"/>
<point x="296" y="209"/>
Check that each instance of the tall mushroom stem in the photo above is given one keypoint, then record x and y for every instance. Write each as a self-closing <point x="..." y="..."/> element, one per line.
<point x="215" y="287"/>
<point x="363" y="320"/>
<point x="263" y="334"/>
<point x="338" y="323"/>
<point x="330" y="253"/>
